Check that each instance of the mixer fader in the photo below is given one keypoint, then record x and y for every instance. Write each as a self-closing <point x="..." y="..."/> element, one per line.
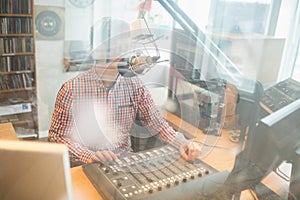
<point x="160" y="173"/>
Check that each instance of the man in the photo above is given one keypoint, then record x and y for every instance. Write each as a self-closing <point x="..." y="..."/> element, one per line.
<point x="94" y="113"/>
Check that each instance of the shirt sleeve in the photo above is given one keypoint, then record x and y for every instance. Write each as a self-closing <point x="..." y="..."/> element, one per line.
<point x="62" y="123"/>
<point x="151" y="118"/>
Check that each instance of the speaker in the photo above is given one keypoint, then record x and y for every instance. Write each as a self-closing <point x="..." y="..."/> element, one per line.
<point x="49" y="22"/>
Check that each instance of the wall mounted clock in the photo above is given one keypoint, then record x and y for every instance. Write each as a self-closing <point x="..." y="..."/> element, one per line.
<point x="81" y="3"/>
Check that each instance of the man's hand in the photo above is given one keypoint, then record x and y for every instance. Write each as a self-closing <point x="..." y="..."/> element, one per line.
<point x="103" y="156"/>
<point x="190" y="151"/>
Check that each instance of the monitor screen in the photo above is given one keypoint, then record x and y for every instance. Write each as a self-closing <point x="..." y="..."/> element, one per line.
<point x="34" y="170"/>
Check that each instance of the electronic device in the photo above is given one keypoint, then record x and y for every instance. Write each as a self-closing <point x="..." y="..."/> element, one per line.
<point x="34" y="170"/>
<point x="279" y="95"/>
<point x="158" y="173"/>
<point x="209" y="108"/>
<point x="276" y="140"/>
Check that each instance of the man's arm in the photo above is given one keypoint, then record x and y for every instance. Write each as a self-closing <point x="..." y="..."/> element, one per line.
<point x="62" y="125"/>
<point x="152" y="119"/>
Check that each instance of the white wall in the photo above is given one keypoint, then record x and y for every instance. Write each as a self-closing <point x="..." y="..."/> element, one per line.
<point x="49" y="70"/>
<point x="50" y="76"/>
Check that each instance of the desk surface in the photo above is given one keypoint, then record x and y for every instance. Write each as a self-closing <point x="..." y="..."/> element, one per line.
<point x="7" y="132"/>
<point x="82" y="187"/>
<point x="221" y="157"/>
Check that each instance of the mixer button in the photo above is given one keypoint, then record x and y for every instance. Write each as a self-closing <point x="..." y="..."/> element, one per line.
<point x="134" y="158"/>
<point x="127" y="160"/>
<point x="106" y="170"/>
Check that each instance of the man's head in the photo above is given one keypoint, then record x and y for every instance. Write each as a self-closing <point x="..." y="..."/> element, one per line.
<point x="111" y="39"/>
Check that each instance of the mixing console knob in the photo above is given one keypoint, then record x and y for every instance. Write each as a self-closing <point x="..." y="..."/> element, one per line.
<point x="149" y="179"/>
<point x="206" y="172"/>
<point x="199" y="174"/>
<point x="168" y="185"/>
<point x="192" y="176"/>
<point x="159" y="188"/>
<point x="150" y="190"/>
<point x="184" y="179"/>
<point x="119" y="184"/>
<point x="176" y="182"/>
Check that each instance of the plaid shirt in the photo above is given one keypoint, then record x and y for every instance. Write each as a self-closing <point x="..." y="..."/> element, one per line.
<point x="83" y="105"/>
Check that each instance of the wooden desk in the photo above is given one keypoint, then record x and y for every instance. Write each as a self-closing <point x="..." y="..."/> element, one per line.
<point x="221" y="157"/>
<point x="82" y="187"/>
<point x="7" y="132"/>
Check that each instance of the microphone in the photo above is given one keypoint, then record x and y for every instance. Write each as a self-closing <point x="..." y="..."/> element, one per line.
<point x="136" y="64"/>
<point x="140" y="60"/>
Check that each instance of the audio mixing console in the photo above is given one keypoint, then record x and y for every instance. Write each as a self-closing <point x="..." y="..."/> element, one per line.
<point x="279" y="95"/>
<point x="159" y="173"/>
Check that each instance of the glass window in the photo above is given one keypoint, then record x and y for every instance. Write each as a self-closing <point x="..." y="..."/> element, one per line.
<point x="220" y="68"/>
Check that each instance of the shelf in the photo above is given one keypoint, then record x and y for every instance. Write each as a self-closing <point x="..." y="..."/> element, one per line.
<point x="17" y="90"/>
<point x="22" y="122"/>
<point x="17" y="72"/>
<point x="17" y="35"/>
<point x="15" y="15"/>
<point x="24" y="136"/>
<point x="17" y="54"/>
<point x="20" y="119"/>
<point x="17" y="67"/>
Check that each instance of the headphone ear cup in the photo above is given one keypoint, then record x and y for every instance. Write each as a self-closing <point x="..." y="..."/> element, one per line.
<point x="124" y="71"/>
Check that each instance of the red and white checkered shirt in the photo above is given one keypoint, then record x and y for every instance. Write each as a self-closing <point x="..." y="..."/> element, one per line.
<point x="88" y="118"/>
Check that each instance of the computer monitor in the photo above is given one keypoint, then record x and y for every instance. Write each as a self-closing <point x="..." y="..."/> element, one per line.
<point x="274" y="140"/>
<point x="276" y="137"/>
<point x="34" y="170"/>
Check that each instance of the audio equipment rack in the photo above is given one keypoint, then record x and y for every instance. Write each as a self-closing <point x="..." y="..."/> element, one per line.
<point x="159" y="173"/>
